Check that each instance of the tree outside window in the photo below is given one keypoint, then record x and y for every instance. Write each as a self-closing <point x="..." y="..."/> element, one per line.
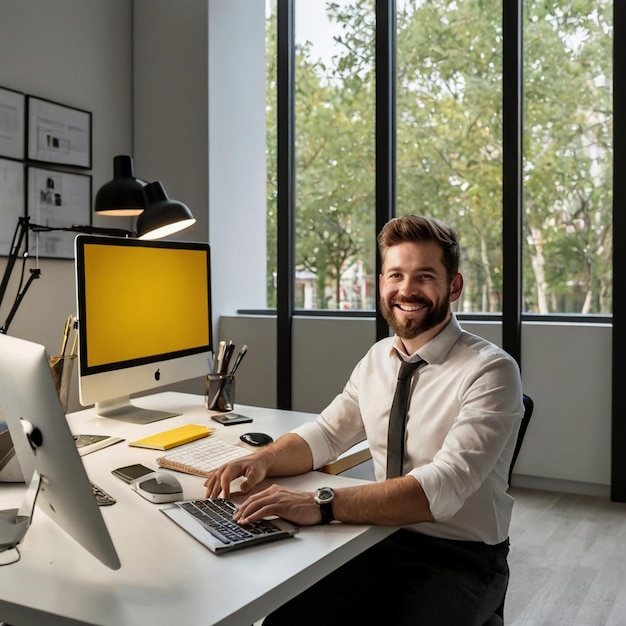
<point x="449" y="147"/>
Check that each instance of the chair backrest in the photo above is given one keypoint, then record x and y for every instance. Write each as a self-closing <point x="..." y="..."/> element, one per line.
<point x="529" y="405"/>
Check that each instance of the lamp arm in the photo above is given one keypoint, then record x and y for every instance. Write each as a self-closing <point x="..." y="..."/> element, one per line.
<point x="34" y="273"/>
<point x="20" y="232"/>
<point x="89" y="230"/>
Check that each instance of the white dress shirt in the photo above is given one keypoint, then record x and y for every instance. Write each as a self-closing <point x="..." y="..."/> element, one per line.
<point x="463" y="417"/>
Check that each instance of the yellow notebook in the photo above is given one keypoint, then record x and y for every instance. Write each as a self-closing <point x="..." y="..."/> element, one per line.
<point x="172" y="438"/>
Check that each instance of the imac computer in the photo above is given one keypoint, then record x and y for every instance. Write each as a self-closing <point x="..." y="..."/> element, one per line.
<point x="47" y="454"/>
<point x="144" y="320"/>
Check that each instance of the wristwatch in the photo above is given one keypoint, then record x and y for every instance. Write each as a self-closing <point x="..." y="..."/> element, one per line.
<point x="324" y="499"/>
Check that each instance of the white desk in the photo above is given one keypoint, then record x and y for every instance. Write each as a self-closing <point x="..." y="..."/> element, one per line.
<point x="166" y="578"/>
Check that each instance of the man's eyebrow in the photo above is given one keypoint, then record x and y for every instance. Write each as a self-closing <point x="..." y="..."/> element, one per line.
<point x="423" y="268"/>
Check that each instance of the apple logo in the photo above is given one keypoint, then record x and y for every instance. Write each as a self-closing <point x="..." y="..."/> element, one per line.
<point x="157" y="375"/>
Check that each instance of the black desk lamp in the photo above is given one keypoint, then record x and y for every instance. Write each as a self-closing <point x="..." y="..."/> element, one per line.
<point x="125" y="195"/>
<point x="162" y="216"/>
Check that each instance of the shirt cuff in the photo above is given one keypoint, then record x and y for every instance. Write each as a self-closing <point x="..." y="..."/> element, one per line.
<point x="321" y="451"/>
<point x="443" y="504"/>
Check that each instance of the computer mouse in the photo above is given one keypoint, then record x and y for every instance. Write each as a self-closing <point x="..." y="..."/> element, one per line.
<point x="256" y="439"/>
<point x="158" y="487"/>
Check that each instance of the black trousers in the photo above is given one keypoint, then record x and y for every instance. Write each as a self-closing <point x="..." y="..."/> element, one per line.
<point x="406" y="579"/>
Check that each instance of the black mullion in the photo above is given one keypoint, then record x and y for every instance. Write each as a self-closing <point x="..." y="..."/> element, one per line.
<point x="618" y="431"/>
<point x="512" y="114"/>
<point x="385" y="130"/>
<point x="285" y="82"/>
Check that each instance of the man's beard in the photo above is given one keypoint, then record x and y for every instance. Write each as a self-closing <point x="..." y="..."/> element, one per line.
<point x="411" y="328"/>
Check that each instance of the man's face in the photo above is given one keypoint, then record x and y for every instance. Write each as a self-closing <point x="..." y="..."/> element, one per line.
<point x="415" y="292"/>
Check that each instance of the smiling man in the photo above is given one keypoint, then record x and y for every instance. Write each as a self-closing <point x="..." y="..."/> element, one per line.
<point x="448" y="563"/>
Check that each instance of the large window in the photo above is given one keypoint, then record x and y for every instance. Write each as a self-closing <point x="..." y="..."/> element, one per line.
<point x="449" y="147"/>
<point x="449" y="121"/>
<point x="335" y="126"/>
<point x="568" y="142"/>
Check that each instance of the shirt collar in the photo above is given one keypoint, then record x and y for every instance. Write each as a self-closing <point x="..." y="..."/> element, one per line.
<point x="436" y="349"/>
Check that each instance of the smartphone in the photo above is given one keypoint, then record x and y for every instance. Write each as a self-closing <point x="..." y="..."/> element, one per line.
<point x="128" y="473"/>
<point x="228" y="419"/>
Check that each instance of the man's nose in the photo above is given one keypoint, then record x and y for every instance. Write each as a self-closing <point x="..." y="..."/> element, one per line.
<point x="409" y="287"/>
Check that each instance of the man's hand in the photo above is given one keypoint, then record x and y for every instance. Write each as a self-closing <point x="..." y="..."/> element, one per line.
<point x="253" y="468"/>
<point x="287" y="456"/>
<point x="298" y="507"/>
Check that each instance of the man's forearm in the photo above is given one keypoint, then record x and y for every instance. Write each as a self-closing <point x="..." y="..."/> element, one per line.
<point x="291" y="456"/>
<point x="395" y="502"/>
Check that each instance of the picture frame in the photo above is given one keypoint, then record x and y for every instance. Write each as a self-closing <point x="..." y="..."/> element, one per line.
<point x="12" y="201"/>
<point x="57" y="199"/>
<point x="12" y="125"/>
<point x="58" y="134"/>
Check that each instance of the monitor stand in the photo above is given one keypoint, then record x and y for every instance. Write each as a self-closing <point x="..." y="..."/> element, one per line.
<point x="124" y="410"/>
<point x="15" y="522"/>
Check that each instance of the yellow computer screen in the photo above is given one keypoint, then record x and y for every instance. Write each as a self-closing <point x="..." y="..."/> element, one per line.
<point x="144" y="300"/>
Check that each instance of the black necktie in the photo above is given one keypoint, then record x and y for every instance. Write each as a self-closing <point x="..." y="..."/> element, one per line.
<point x="397" y="417"/>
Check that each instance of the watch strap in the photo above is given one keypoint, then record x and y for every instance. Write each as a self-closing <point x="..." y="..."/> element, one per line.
<point x="327" y="512"/>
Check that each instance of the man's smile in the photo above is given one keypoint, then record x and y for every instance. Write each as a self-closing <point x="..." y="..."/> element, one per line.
<point x="409" y="307"/>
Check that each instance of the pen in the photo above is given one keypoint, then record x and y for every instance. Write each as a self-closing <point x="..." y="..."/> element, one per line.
<point x="228" y="353"/>
<point x="220" y="357"/>
<point x="74" y="335"/>
<point x="240" y="356"/>
<point x="66" y="334"/>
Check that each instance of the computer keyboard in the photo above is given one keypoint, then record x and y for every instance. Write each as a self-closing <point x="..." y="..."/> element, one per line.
<point x="203" y="456"/>
<point x="215" y="515"/>
<point x="102" y="497"/>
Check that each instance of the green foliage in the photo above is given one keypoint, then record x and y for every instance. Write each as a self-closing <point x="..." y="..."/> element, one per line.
<point x="449" y="146"/>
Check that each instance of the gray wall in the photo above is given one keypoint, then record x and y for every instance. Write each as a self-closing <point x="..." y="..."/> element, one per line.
<point x="76" y="52"/>
<point x="197" y="125"/>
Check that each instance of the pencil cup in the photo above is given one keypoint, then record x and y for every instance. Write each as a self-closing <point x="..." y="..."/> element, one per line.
<point x="61" y="368"/>
<point x="220" y="392"/>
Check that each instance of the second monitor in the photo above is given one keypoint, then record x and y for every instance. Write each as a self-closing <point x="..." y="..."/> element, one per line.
<point x="144" y="316"/>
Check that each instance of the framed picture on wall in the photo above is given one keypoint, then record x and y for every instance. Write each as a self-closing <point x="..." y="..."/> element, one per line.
<point x="56" y="200"/>
<point x="12" y="132"/>
<point x="58" y="134"/>
<point x="12" y="204"/>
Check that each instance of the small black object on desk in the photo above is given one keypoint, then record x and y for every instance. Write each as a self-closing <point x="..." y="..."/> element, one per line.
<point x="256" y="439"/>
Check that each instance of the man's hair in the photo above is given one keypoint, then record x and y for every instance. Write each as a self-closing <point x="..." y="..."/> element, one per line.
<point x="417" y="228"/>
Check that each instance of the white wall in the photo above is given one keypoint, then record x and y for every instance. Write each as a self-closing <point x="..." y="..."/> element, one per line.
<point x="76" y="52"/>
<point x="170" y="102"/>
<point x="196" y="68"/>
<point x="237" y="154"/>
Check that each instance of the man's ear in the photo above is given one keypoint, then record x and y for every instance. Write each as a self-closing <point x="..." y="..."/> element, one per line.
<point x="456" y="287"/>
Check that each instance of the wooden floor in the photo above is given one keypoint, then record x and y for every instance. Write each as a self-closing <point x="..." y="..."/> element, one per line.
<point x="567" y="560"/>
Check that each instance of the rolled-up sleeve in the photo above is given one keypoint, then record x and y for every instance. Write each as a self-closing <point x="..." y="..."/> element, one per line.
<point x="479" y="445"/>
<point x="337" y="428"/>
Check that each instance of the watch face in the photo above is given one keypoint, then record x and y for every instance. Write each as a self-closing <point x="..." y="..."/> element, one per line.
<point x="325" y="494"/>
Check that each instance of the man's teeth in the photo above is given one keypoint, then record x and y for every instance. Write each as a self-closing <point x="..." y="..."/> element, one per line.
<point x="411" y="307"/>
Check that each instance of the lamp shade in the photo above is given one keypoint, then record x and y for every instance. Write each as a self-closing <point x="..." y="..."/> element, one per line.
<point x="162" y="216"/>
<point x="122" y="196"/>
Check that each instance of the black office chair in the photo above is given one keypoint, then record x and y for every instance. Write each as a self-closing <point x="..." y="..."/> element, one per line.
<point x="529" y="405"/>
<point x="497" y="619"/>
